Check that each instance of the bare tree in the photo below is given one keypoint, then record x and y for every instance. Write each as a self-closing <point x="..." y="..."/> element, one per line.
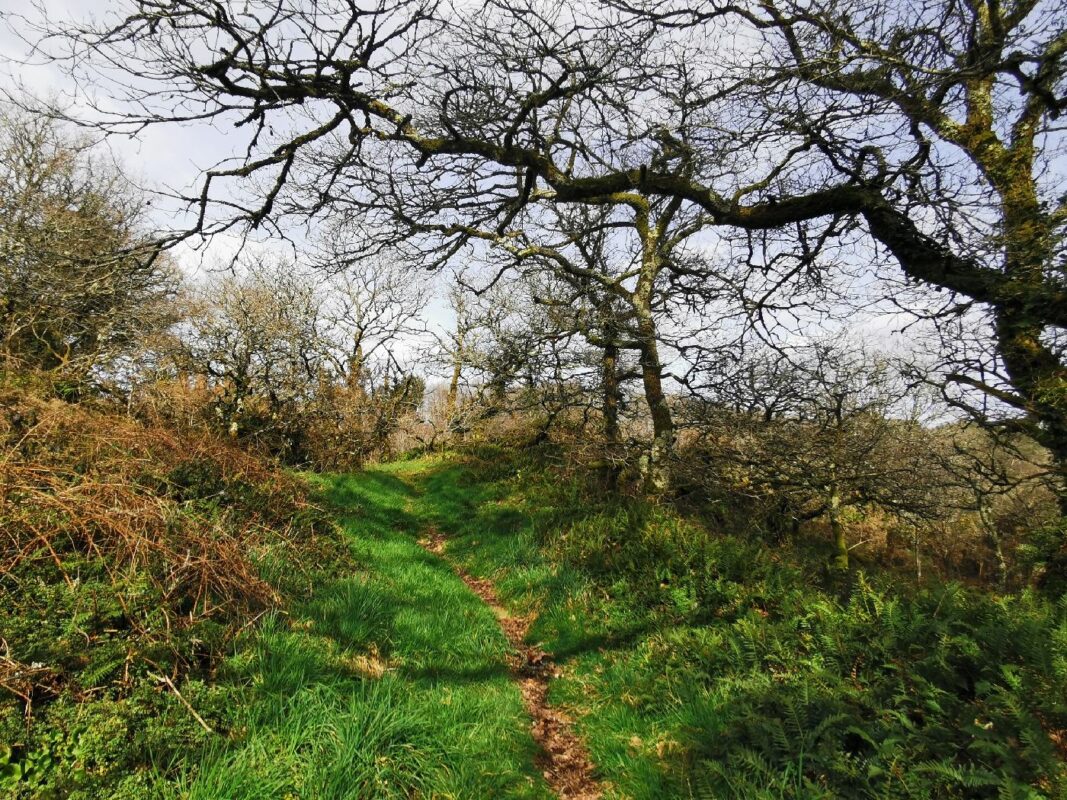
<point x="611" y="259"/>
<point x="829" y="427"/>
<point x="532" y="359"/>
<point x="938" y="124"/>
<point x="998" y="479"/>
<point x="371" y="309"/>
<point x="842" y="124"/>
<point x="255" y="338"/>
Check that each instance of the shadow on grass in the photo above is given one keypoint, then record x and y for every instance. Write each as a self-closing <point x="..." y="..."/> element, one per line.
<point x="371" y="501"/>
<point x="388" y="683"/>
<point x="498" y="541"/>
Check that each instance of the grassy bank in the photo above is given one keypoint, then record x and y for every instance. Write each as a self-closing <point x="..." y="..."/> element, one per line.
<point x="389" y="683"/>
<point x="696" y="664"/>
<point x="375" y="673"/>
<point x="701" y="665"/>
<point x="133" y="559"/>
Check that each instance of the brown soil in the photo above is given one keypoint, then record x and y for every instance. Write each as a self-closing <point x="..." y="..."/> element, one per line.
<point x="564" y="760"/>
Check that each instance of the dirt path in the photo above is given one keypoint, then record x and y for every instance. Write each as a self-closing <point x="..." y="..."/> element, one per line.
<point x="563" y="759"/>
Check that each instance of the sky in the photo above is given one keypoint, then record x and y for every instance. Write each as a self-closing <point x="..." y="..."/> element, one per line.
<point x="173" y="156"/>
<point x="169" y="157"/>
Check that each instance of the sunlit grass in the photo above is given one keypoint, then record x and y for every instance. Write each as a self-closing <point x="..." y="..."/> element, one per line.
<point x="389" y="683"/>
<point x="695" y="664"/>
<point x="701" y="665"/>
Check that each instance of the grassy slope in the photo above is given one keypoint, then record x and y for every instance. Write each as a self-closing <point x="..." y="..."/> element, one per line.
<point x="705" y="666"/>
<point x="385" y="677"/>
<point x="132" y="556"/>
<point x="697" y="665"/>
<point x="390" y="683"/>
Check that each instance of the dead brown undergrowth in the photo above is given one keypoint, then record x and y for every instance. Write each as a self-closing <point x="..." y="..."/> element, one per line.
<point x="189" y="514"/>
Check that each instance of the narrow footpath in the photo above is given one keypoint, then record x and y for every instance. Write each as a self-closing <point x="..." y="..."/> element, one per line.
<point x="563" y="760"/>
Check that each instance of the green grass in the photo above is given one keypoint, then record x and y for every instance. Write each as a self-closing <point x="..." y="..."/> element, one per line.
<point x="390" y="683"/>
<point x="696" y="664"/>
<point x="384" y="677"/>
<point x="703" y="665"/>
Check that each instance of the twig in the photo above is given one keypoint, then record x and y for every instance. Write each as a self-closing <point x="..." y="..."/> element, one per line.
<point x="185" y="702"/>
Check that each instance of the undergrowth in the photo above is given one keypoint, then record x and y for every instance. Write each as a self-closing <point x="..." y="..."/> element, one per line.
<point x="131" y="557"/>
<point x="707" y="665"/>
<point x="181" y="620"/>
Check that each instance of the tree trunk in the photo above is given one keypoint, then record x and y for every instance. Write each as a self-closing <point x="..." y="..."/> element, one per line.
<point x="1037" y="373"/>
<point x="609" y="380"/>
<point x="356" y="360"/>
<point x="452" y="399"/>
<point x="994" y="541"/>
<point x="611" y="397"/>
<point x="839" y="563"/>
<point x="661" y="454"/>
<point x="610" y="383"/>
<point x="1034" y="369"/>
